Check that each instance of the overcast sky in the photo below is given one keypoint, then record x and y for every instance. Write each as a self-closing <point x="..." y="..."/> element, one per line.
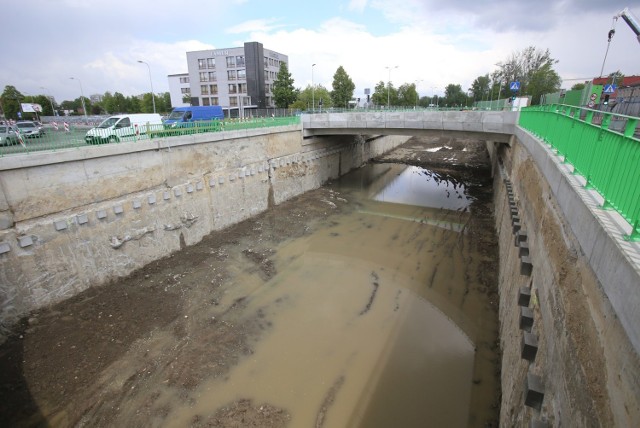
<point x="433" y="42"/>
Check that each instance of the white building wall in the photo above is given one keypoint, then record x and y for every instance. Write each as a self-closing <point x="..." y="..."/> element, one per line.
<point x="175" y="88"/>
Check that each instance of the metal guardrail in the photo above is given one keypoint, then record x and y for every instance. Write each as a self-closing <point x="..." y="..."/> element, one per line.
<point x="603" y="147"/>
<point x="73" y="136"/>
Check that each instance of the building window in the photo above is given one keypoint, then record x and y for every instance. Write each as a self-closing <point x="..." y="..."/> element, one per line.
<point x="246" y="101"/>
<point x="203" y="76"/>
<point x="266" y="88"/>
<point x="205" y="101"/>
<point x="214" y="101"/>
<point x="184" y="90"/>
<point x="266" y="62"/>
<point x="233" y="88"/>
<point x="184" y="80"/>
<point x="231" y="61"/>
<point x="202" y="64"/>
<point x="213" y="89"/>
<point x="231" y="75"/>
<point x="233" y="101"/>
<point x="242" y="88"/>
<point x="242" y="74"/>
<point x="211" y="63"/>
<point x="212" y="76"/>
<point x="204" y="89"/>
<point x="239" y="61"/>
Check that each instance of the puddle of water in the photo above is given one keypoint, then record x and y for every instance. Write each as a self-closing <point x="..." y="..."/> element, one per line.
<point x="409" y="185"/>
<point x="376" y="320"/>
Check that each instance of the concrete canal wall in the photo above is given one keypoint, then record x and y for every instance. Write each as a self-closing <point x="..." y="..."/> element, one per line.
<point x="568" y="296"/>
<point x="82" y="217"/>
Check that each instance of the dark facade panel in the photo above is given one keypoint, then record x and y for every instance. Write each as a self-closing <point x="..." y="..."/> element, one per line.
<point x="254" y="62"/>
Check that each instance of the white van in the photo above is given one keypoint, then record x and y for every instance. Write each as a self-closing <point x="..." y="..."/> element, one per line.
<point x="123" y="126"/>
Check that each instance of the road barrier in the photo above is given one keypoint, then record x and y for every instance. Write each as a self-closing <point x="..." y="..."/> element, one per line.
<point x="602" y="147"/>
<point x="73" y="135"/>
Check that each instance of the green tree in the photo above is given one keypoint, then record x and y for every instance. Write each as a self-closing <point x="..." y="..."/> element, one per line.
<point x="284" y="93"/>
<point x="615" y="77"/>
<point x="119" y="104"/>
<point x="578" y="87"/>
<point x="543" y="81"/>
<point x="454" y="96"/>
<point x="524" y="65"/>
<point x="10" y="100"/>
<point x="343" y="88"/>
<point x="480" y="88"/>
<point x="46" y="103"/>
<point x="147" y="102"/>
<point x="307" y="97"/>
<point x="163" y="102"/>
<point x="407" y="95"/>
<point x="379" y="96"/>
<point x="108" y="102"/>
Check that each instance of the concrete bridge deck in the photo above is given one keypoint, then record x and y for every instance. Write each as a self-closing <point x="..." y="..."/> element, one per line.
<point x="487" y="125"/>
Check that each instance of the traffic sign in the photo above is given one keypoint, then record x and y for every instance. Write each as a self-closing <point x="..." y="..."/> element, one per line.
<point x="609" y="89"/>
<point x="514" y="86"/>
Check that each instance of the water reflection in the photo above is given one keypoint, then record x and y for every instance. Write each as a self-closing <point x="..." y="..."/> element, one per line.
<point x="411" y="185"/>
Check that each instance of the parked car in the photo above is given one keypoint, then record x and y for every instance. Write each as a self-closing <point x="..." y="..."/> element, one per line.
<point x="8" y="135"/>
<point x="30" y="129"/>
<point x="115" y="128"/>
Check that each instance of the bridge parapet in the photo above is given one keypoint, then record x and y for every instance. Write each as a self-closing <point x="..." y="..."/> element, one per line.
<point x="502" y="123"/>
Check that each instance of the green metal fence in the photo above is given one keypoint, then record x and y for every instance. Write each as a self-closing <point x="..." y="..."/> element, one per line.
<point x="602" y="147"/>
<point x="74" y="135"/>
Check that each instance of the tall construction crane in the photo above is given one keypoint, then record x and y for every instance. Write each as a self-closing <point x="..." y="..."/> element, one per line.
<point x="631" y="21"/>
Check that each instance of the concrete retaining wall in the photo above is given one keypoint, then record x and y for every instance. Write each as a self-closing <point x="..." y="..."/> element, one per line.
<point x="82" y="217"/>
<point x="568" y="318"/>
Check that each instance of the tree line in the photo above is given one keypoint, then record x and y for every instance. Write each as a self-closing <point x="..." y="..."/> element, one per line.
<point x="532" y="67"/>
<point x="11" y="100"/>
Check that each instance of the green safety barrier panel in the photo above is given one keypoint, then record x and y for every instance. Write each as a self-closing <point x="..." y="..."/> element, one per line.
<point x="602" y="147"/>
<point x="61" y="137"/>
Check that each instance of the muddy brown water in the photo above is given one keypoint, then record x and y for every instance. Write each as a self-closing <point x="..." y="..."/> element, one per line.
<point x="382" y="317"/>
<point x="375" y="319"/>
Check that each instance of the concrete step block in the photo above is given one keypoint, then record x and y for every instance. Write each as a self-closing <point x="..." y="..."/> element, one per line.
<point x="526" y="267"/>
<point x="526" y="318"/>
<point x="533" y="391"/>
<point x="524" y="296"/>
<point x="521" y="236"/>
<point x="523" y="249"/>
<point x="516" y="226"/>
<point x="529" y="346"/>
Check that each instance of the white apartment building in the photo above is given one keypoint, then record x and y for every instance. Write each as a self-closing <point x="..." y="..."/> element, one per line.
<point x="179" y="89"/>
<point x="234" y="78"/>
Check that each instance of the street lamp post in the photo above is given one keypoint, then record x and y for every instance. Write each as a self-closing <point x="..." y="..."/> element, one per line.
<point x="389" y="85"/>
<point x="313" y="91"/>
<point x="53" y="110"/>
<point x="153" y="97"/>
<point x="84" y="108"/>
<point x="417" y="95"/>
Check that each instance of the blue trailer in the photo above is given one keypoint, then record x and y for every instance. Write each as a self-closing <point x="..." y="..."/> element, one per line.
<point x="184" y="116"/>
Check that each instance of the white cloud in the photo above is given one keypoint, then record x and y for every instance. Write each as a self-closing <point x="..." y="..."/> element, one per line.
<point x="439" y="42"/>
<point x="358" y="5"/>
<point x="252" y="26"/>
